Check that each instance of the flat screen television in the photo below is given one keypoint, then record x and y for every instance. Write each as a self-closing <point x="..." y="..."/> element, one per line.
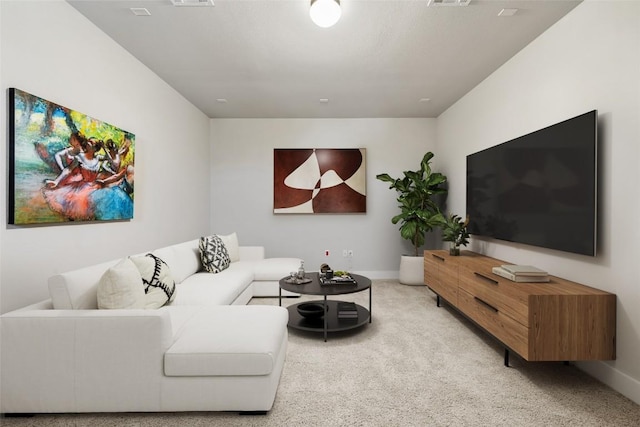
<point x="539" y="189"/>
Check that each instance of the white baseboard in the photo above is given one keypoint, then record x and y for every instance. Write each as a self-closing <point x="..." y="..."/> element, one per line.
<point x="617" y="380"/>
<point x="391" y="275"/>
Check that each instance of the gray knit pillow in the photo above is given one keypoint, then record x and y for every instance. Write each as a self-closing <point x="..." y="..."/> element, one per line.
<point x="214" y="254"/>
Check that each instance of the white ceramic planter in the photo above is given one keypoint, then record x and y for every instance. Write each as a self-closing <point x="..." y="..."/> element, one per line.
<point x="411" y="270"/>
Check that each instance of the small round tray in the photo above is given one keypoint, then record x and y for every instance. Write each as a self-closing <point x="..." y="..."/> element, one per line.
<point x="297" y="281"/>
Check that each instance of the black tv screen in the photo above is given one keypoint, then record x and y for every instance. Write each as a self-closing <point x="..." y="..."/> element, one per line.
<point x="538" y="189"/>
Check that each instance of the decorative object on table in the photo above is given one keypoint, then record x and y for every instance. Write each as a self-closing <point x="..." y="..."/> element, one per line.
<point x="301" y="273"/>
<point x="326" y="271"/>
<point x="295" y="280"/>
<point x="319" y="181"/>
<point x="66" y="166"/>
<point x="419" y="213"/>
<point x="311" y="310"/>
<point x="338" y="277"/>
<point x="454" y="230"/>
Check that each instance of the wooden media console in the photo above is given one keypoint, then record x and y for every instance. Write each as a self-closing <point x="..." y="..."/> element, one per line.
<point x="555" y="321"/>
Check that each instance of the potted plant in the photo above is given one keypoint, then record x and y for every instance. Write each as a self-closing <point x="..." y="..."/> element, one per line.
<point x="454" y="230"/>
<point x="419" y="212"/>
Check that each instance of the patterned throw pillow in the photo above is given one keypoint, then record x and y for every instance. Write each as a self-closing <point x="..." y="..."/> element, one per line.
<point x="159" y="286"/>
<point x="213" y="254"/>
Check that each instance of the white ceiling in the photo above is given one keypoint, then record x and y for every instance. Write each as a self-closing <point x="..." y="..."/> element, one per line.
<point x="267" y="59"/>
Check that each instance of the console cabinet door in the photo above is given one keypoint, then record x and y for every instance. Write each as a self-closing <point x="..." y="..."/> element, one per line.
<point x="509" y="297"/>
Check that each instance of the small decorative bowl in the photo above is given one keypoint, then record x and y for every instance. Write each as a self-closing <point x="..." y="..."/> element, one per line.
<point x="311" y="310"/>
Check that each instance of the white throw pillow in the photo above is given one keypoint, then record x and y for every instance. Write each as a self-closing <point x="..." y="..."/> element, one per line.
<point x="121" y="287"/>
<point x="231" y="243"/>
<point x="158" y="284"/>
<point x="214" y="254"/>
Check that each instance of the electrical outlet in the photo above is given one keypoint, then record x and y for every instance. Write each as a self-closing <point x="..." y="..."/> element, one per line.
<point x="345" y="253"/>
<point x="326" y="252"/>
<point x="350" y="253"/>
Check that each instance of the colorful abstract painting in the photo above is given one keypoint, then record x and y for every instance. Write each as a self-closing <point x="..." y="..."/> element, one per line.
<point x="66" y="166"/>
<point x="329" y="180"/>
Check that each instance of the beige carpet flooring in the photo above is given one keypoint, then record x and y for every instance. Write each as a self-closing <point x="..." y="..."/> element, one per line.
<point x="415" y="365"/>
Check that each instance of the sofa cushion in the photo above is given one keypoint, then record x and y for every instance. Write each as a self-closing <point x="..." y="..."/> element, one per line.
<point x="228" y="341"/>
<point x="231" y="243"/>
<point x="158" y="284"/>
<point x="269" y="269"/>
<point x="213" y="254"/>
<point x="213" y="289"/>
<point x="121" y="287"/>
<point x="183" y="259"/>
<point x="275" y="268"/>
<point x="77" y="289"/>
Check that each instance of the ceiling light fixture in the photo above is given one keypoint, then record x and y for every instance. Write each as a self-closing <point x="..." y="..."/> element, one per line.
<point x="325" y="13"/>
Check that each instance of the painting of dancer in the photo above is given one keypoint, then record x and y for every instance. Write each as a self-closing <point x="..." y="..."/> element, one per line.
<point x="66" y="166"/>
<point x="319" y="180"/>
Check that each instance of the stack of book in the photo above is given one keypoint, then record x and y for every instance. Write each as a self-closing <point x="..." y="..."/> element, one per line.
<point x="521" y="273"/>
<point x="347" y="310"/>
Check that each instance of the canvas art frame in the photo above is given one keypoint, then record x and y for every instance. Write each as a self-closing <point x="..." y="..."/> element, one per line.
<point x="319" y="180"/>
<point x="66" y="166"/>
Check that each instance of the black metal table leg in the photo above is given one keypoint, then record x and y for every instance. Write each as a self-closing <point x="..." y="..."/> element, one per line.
<point x="370" y="309"/>
<point x="326" y="314"/>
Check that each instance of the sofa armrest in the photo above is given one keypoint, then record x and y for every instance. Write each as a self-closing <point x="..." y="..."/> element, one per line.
<point x="95" y="360"/>
<point x="251" y="253"/>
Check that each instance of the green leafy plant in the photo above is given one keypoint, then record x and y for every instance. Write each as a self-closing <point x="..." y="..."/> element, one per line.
<point x="416" y="190"/>
<point x="454" y="230"/>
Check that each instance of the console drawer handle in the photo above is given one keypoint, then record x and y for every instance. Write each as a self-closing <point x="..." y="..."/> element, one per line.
<point x="437" y="257"/>
<point x="486" y="304"/>
<point x="488" y="279"/>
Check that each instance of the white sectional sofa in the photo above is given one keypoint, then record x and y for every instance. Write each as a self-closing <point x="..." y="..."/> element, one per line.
<point x="204" y="351"/>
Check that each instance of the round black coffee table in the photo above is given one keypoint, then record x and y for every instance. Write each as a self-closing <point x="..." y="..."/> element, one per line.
<point x="330" y="322"/>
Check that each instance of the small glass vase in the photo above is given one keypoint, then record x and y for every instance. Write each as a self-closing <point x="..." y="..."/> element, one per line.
<point x="454" y="250"/>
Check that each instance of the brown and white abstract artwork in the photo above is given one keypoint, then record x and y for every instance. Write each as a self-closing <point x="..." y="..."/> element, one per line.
<point x="331" y="180"/>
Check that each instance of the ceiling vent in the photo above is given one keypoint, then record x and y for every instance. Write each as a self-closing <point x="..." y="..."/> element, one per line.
<point x="449" y="2"/>
<point x="192" y="2"/>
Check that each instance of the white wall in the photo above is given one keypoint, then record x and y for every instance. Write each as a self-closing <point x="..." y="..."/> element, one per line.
<point x="588" y="60"/>
<point x="242" y="188"/>
<point x="48" y="49"/>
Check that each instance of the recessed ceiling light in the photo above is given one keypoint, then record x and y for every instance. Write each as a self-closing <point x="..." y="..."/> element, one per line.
<point x="507" y="12"/>
<point x="425" y="99"/>
<point x="324" y="100"/>
<point x="448" y="3"/>
<point x="192" y="2"/>
<point x="222" y="100"/>
<point x="140" y="11"/>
